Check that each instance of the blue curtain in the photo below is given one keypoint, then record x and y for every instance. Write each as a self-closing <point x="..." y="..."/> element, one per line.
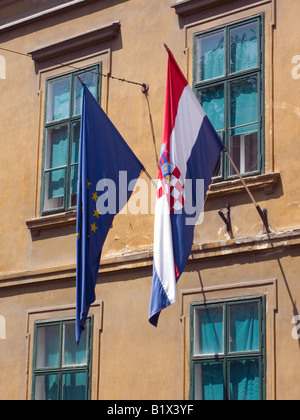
<point x="211" y="331"/>
<point x="74" y="386"/>
<point x="212" y="381"/>
<point x="244" y="380"/>
<point x="244" y="327"/>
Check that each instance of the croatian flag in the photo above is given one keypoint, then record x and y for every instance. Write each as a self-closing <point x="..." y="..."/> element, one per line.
<point x="190" y="152"/>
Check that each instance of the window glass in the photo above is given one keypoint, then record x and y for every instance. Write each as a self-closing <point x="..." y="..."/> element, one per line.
<point x="75" y="141"/>
<point x="209" y="381"/>
<point x="244" y="327"/>
<point x="244" y="101"/>
<point x="58" y="99"/>
<point x="244" y="47"/>
<point x="211" y="56"/>
<point x="244" y="380"/>
<point x="47" y="347"/>
<point x="74" y="386"/>
<point x="244" y="151"/>
<point x="209" y="331"/>
<point x="46" y="388"/>
<point x="90" y="80"/>
<point x="74" y="354"/>
<point x="212" y="101"/>
<point x="54" y="189"/>
<point x="56" y="146"/>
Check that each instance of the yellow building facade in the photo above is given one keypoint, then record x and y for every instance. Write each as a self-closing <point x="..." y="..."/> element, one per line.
<point x="233" y="334"/>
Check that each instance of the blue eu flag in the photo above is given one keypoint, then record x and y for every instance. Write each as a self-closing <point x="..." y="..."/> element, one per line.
<point x="106" y="167"/>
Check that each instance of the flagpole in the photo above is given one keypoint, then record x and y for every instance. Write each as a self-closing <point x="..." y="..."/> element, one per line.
<point x="150" y="178"/>
<point x="261" y="213"/>
<point x="166" y="47"/>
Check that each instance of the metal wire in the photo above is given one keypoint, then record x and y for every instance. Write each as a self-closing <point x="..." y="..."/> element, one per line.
<point x="108" y="75"/>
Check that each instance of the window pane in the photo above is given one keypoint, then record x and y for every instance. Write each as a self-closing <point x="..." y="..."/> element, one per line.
<point x="244" y="151"/>
<point x="209" y="331"/>
<point x="244" y="47"/>
<point x="74" y="354"/>
<point x="75" y="141"/>
<point x="74" y="186"/>
<point x="210" y="56"/>
<point x="47" y="347"/>
<point x="212" y="101"/>
<point x="209" y="382"/>
<point x="57" y="147"/>
<point x="58" y="99"/>
<point x="244" y="101"/>
<point x="244" y="327"/>
<point x="90" y="80"/>
<point x="46" y="388"/>
<point x="54" y="189"/>
<point x="75" y="386"/>
<point x="244" y="380"/>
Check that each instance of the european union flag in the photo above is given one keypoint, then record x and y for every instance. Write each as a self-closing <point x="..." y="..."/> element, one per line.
<point x="106" y="167"/>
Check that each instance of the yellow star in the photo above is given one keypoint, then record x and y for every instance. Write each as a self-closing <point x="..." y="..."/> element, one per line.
<point x="88" y="184"/>
<point x="95" y="197"/>
<point x="78" y="235"/>
<point x="96" y="214"/>
<point x="94" y="227"/>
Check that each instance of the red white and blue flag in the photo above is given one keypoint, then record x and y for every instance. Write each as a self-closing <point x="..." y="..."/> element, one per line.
<point x="190" y="151"/>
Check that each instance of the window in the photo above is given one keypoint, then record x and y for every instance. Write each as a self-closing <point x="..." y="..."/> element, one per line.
<point x="228" y="350"/>
<point x="228" y="81"/>
<point x="61" y="138"/>
<point x="61" y="368"/>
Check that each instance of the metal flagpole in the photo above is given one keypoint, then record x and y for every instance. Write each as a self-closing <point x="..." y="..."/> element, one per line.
<point x="262" y="213"/>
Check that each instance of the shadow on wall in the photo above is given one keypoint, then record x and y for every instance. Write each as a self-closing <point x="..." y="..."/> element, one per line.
<point x="2" y="328"/>
<point x="2" y="67"/>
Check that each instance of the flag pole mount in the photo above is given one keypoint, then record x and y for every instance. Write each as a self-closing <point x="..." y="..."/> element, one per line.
<point x="145" y="88"/>
<point x="227" y="220"/>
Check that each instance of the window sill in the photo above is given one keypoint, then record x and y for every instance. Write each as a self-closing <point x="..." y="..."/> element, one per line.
<point x="51" y="222"/>
<point x="265" y="182"/>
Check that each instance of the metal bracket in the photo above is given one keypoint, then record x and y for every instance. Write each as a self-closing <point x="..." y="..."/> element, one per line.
<point x="227" y="219"/>
<point x="264" y="217"/>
